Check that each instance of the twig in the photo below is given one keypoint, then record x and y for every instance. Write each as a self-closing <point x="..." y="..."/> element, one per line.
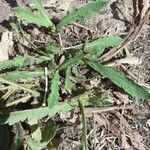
<point x="128" y="40"/>
<point x="46" y="87"/>
<point x="105" y="109"/>
<point x="81" y="26"/>
<point x="60" y="40"/>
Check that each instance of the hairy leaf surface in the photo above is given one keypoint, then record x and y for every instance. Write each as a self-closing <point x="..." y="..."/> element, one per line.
<point x="21" y="61"/>
<point x="71" y="61"/>
<point x="38" y="113"/>
<point x="43" y="12"/>
<point x="68" y="81"/>
<point x="25" y="14"/>
<point x="99" y="45"/>
<point x="120" y="80"/>
<point x="33" y="114"/>
<point x="81" y="13"/>
<point x="16" y="75"/>
<point x="54" y="95"/>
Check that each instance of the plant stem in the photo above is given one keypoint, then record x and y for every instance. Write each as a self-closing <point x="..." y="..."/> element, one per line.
<point x="84" y="144"/>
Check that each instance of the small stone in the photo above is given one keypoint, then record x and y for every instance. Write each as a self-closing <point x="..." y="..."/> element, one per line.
<point x="148" y="122"/>
<point x="35" y="31"/>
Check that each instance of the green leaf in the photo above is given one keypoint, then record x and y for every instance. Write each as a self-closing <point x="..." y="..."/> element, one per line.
<point x="33" y="114"/>
<point x="68" y="81"/>
<point x="39" y="6"/>
<point x="36" y="114"/>
<point x="49" y="131"/>
<point x="81" y="13"/>
<point x="54" y="95"/>
<point x="21" y="87"/>
<point x="43" y="12"/>
<point x="17" y="75"/>
<point x="25" y="14"/>
<point x="35" y="145"/>
<point x="21" y="61"/>
<point x="99" y="102"/>
<point x="72" y="61"/>
<point x="53" y="49"/>
<point x="14" y="117"/>
<point x="99" y="45"/>
<point x="120" y="80"/>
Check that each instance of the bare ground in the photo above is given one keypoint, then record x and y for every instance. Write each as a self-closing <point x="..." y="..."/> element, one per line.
<point x="126" y="128"/>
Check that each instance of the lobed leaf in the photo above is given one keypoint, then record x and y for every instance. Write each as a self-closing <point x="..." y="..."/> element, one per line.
<point x="53" y="49"/>
<point x="81" y="13"/>
<point x="54" y="95"/>
<point x="17" y="75"/>
<point x="68" y="81"/>
<point x="43" y="12"/>
<point x="38" y="113"/>
<point x="25" y="14"/>
<point x="19" y="86"/>
<point x="49" y="131"/>
<point x="5" y="136"/>
<point x="71" y="61"/>
<point x="21" y="61"/>
<point x="33" y="145"/>
<point x="121" y="80"/>
<point x="17" y="101"/>
<point x="33" y="114"/>
<point x="99" y="45"/>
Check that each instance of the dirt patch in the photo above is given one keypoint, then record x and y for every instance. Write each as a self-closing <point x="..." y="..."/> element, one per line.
<point x="127" y="127"/>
